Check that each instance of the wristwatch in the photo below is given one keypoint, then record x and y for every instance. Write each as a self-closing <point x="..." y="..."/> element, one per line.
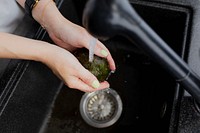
<point x="29" y="5"/>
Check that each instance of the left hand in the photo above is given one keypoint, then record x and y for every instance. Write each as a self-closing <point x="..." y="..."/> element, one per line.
<point x="65" y="33"/>
<point x="71" y="36"/>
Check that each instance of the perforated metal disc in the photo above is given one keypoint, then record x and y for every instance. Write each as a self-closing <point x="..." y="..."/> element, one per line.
<point x="101" y="108"/>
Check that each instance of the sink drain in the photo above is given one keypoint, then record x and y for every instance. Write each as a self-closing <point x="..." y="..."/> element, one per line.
<point x="101" y="108"/>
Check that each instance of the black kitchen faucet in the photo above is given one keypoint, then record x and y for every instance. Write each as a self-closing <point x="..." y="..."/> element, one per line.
<point x="107" y="18"/>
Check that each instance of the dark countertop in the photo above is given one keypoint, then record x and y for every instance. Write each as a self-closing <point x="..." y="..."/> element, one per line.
<point x="26" y="94"/>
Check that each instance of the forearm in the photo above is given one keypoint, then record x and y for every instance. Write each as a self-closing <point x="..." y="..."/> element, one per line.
<point x="45" y="13"/>
<point x="16" y="47"/>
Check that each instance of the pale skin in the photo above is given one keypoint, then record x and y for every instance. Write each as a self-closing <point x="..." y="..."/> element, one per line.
<point x="67" y="37"/>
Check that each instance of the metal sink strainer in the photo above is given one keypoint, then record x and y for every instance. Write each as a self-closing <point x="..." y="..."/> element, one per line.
<point x="102" y="108"/>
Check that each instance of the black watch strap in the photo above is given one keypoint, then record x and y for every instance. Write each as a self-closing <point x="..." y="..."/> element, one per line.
<point x="29" y="6"/>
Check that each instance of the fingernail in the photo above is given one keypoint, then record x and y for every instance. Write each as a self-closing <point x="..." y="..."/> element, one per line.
<point x="113" y="71"/>
<point x="104" y="53"/>
<point x="95" y="84"/>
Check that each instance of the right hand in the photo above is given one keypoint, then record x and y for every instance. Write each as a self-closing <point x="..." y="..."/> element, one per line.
<point x="66" y="66"/>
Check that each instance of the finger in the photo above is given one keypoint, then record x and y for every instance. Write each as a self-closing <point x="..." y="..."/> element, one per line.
<point x="111" y="63"/>
<point x="102" y="51"/>
<point x="104" y="85"/>
<point x="87" y="77"/>
<point x="92" y="81"/>
<point x="77" y="83"/>
<point x="99" y="48"/>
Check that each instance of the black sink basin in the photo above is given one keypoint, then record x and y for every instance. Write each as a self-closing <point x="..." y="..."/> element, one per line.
<point x="34" y="100"/>
<point x="146" y="90"/>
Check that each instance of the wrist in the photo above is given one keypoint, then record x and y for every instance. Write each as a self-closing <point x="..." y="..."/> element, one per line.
<point x="46" y="13"/>
<point x="49" y="55"/>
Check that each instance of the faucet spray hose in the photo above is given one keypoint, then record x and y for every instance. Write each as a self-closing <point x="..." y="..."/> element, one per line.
<point x="107" y="18"/>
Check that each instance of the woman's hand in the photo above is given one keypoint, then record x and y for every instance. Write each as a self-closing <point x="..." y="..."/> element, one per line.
<point x="62" y="62"/>
<point x="68" y="69"/>
<point x="65" y="33"/>
<point x="71" y="36"/>
<point x="68" y="36"/>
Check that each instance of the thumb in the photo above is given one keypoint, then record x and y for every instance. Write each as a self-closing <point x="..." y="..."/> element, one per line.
<point x="88" y="78"/>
